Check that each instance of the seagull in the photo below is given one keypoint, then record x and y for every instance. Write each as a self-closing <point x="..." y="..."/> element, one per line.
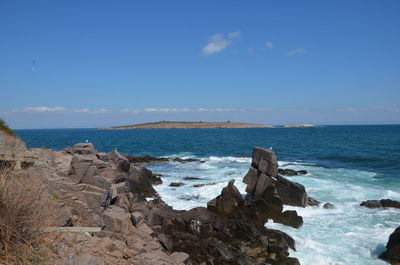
<point x="86" y="141"/>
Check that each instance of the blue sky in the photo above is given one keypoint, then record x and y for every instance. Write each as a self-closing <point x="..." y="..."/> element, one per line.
<point x="100" y="63"/>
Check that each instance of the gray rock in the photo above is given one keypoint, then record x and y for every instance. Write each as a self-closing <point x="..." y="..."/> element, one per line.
<point x="117" y="220"/>
<point x="122" y="162"/>
<point x="312" y="202"/>
<point x="265" y="161"/>
<point x="176" y="184"/>
<point x="137" y="219"/>
<point x="290" y="218"/>
<point x="228" y="202"/>
<point x="392" y="252"/>
<point x="292" y="193"/>
<point x="380" y="203"/>
<point x="251" y="179"/>
<point x="84" y="149"/>
<point x="328" y="206"/>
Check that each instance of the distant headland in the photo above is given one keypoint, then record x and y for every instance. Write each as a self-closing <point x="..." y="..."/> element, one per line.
<point x="187" y="125"/>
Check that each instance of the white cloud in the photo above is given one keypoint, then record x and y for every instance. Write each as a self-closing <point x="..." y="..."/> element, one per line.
<point x="219" y="42"/>
<point x="39" y="109"/>
<point x="100" y="111"/>
<point x="296" y="51"/>
<point x="269" y="44"/>
<point x="82" y="110"/>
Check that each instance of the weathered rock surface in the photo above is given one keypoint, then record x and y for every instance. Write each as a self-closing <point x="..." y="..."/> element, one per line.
<point x="290" y="218"/>
<point x="104" y="190"/>
<point x="291" y="172"/>
<point x="381" y="203"/>
<point x="267" y="192"/>
<point x="151" y="159"/>
<point x="392" y="252"/>
<point x="176" y="184"/>
<point x="228" y="202"/>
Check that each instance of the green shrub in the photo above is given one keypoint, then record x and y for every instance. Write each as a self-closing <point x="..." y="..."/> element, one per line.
<point x="4" y="128"/>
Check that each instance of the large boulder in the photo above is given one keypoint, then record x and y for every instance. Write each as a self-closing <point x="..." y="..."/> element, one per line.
<point x="122" y="162"/>
<point x="290" y="218"/>
<point x="213" y="239"/>
<point x="82" y="167"/>
<point x="392" y="252"/>
<point x="84" y="149"/>
<point x="381" y="203"/>
<point x="140" y="181"/>
<point x="229" y="202"/>
<point x="265" y="161"/>
<point x="292" y="193"/>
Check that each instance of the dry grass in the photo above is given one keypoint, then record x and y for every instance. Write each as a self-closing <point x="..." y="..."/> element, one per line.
<point x="22" y="214"/>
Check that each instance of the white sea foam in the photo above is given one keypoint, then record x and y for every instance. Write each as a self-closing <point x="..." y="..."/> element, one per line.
<point x="347" y="234"/>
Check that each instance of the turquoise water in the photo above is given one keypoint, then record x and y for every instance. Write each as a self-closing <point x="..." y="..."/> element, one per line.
<point x="346" y="165"/>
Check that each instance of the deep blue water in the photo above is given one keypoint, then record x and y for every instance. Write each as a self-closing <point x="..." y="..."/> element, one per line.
<point x="373" y="147"/>
<point x="345" y="164"/>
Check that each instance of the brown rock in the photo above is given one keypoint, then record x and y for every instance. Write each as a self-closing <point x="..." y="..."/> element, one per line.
<point x="392" y="252"/>
<point x="292" y="193"/>
<point x="228" y="202"/>
<point x="290" y="218"/>
<point x="84" y="149"/>
<point x="265" y="161"/>
<point x="121" y="161"/>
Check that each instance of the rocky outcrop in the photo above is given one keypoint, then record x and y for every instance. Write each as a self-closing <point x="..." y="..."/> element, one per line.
<point x="228" y="203"/>
<point x="93" y="189"/>
<point x="381" y="203"/>
<point x="291" y="172"/>
<point x="151" y="159"/>
<point x="392" y="252"/>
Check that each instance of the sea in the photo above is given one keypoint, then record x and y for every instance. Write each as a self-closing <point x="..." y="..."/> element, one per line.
<point x="346" y="165"/>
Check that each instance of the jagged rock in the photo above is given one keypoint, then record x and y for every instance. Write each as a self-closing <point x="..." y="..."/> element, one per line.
<point x="117" y="220"/>
<point x="102" y="156"/>
<point x="380" y="203"/>
<point x="139" y="180"/>
<point x="136" y="231"/>
<point x="392" y="252"/>
<point x="291" y="172"/>
<point x="312" y="202"/>
<point x="165" y="241"/>
<point x="251" y="179"/>
<point x="292" y="193"/>
<point x="137" y="219"/>
<point x="265" y="161"/>
<point x="121" y="161"/>
<point x="290" y="218"/>
<point x="151" y="159"/>
<point x="191" y="178"/>
<point x="213" y="239"/>
<point x="176" y="184"/>
<point x="84" y="149"/>
<point x="228" y="202"/>
<point x="81" y="167"/>
<point x="328" y="206"/>
<point x="202" y="185"/>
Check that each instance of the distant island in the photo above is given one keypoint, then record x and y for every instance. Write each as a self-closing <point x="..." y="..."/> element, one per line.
<point x="187" y="125"/>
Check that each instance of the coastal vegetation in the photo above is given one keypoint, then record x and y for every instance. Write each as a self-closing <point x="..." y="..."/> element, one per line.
<point x="4" y="128"/>
<point x="22" y="214"/>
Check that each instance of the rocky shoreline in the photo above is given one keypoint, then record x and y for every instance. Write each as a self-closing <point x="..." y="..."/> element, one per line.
<point x="110" y="192"/>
